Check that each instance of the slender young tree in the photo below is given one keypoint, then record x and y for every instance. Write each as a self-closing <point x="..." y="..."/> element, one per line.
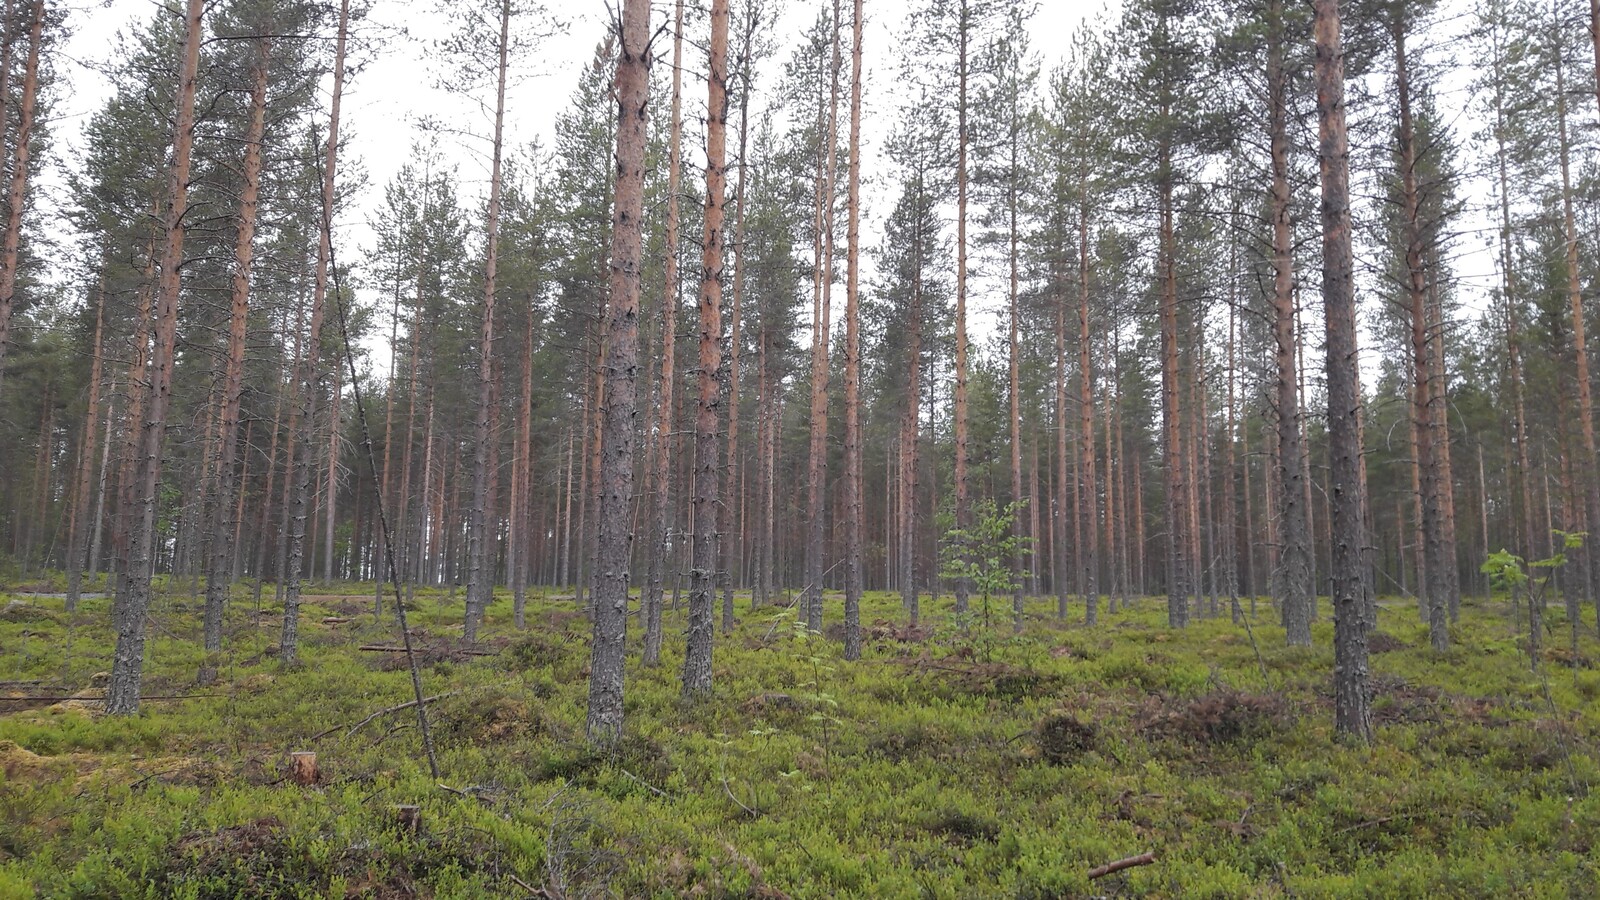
<point x="822" y="294"/>
<point x="77" y="534"/>
<point x="312" y="373"/>
<point x="614" y="546"/>
<point x="852" y="362"/>
<point x="660" y="456"/>
<point x="480" y="572"/>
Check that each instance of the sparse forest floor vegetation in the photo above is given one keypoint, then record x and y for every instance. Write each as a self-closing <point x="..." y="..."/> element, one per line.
<point x="942" y="765"/>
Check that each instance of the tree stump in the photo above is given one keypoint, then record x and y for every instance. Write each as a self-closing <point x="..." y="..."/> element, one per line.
<point x="408" y="818"/>
<point x="303" y="768"/>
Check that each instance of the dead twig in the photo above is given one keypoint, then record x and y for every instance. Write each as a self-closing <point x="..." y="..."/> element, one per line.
<point x="652" y="788"/>
<point x="464" y="651"/>
<point x="1143" y="859"/>
<point x="380" y="713"/>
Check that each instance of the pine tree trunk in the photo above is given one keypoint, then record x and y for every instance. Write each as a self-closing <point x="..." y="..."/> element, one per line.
<point x="660" y="456"/>
<point x="18" y="193"/>
<point x="521" y="501"/>
<point x="1088" y="550"/>
<point x="614" y="539"/>
<point x="852" y="362"/>
<point x="1062" y="509"/>
<point x="822" y="295"/>
<point x="1175" y="459"/>
<point x="1294" y="588"/>
<point x="480" y="571"/>
<point x="1587" y="474"/>
<point x="312" y="372"/>
<point x="1352" y="690"/>
<point x="963" y="518"/>
<point x="703" y="574"/>
<point x="330" y="505"/>
<point x="219" y="576"/>
<point x="77" y="539"/>
<point x="733" y="534"/>
<point x="1433" y="589"/>
<point x="133" y="605"/>
<point x="1523" y="473"/>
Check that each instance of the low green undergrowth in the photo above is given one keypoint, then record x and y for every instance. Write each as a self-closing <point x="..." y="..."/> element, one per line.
<point x="942" y="764"/>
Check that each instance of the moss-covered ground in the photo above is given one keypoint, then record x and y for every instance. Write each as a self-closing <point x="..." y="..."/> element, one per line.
<point x="942" y="764"/>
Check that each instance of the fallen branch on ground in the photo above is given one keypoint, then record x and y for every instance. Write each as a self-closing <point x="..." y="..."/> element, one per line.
<point x="382" y="712"/>
<point x="464" y="651"/>
<point x="1143" y="859"/>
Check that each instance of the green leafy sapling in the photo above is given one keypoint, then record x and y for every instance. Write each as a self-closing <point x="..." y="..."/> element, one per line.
<point x="982" y="554"/>
<point x="1515" y="575"/>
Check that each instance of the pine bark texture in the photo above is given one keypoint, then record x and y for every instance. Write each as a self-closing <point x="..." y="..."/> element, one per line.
<point x="852" y="361"/>
<point x="615" y="538"/>
<point x="133" y="603"/>
<point x="1351" y="677"/>
<point x="707" y="476"/>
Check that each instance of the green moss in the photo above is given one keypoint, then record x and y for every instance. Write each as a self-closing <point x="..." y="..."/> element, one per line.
<point x="942" y="766"/>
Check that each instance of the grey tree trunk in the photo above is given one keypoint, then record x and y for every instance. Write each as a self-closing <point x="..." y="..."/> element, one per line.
<point x="1293" y="578"/>
<point x="615" y="540"/>
<point x="852" y="362"/>
<point x="660" y="449"/>
<point x="703" y="574"/>
<point x="480" y="574"/>
<point x="18" y="193"/>
<point x="133" y="603"/>
<point x="219" y="577"/>
<point x="311" y="369"/>
<point x="1351" y="680"/>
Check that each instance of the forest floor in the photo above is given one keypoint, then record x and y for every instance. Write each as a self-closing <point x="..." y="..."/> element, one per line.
<point x="940" y="765"/>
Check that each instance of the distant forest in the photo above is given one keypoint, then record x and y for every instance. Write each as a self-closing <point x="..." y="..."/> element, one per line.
<point x="656" y="352"/>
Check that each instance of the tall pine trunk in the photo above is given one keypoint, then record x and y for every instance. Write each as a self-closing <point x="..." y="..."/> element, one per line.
<point x="614" y="537"/>
<point x="1432" y="588"/>
<point x="660" y="452"/>
<point x="703" y="574"/>
<point x="133" y="604"/>
<point x="77" y="535"/>
<point x="1293" y="582"/>
<point x="18" y="193"/>
<point x="311" y="370"/>
<point x="852" y="363"/>
<point x="963" y="491"/>
<point x="480" y="572"/>
<point x="219" y="575"/>
<point x="1352" y="690"/>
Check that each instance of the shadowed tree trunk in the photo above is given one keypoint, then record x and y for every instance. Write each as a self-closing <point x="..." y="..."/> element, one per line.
<point x="77" y="535"/>
<point x="822" y="295"/>
<point x="1587" y="474"/>
<point x="963" y="510"/>
<point x="1432" y="588"/>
